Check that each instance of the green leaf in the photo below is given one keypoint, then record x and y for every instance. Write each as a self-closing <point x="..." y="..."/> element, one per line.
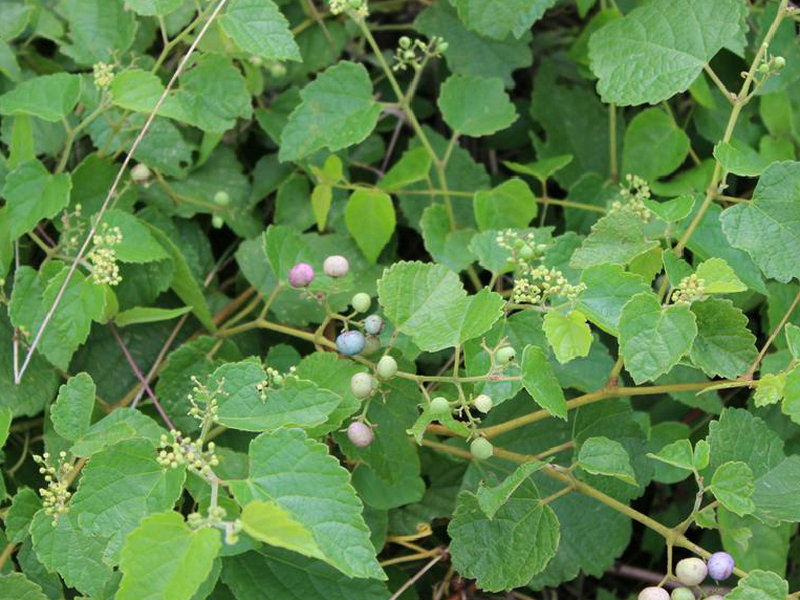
<point x="337" y="111"/>
<point x="183" y="282"/>
<point x="122" y="424"/>
<point x="569" y="335"/>
<point x="769" y="389"/>
<point x="541" y="383"/>
<point x="121" y="485"/>
<point x="138" y="245"/>
<point x="5" y="424"/>
<point x="760" y="585"/>
<point x="413" y="166"/>
<point x="276" y="573"/>
<point x="659" y="49"/>
<point x="297" y="403"/>
<point x="469" y="53"/>
<point x="72" y="412"/>
<point x="8" y="62"/>
<point x="678" y="454"/>
<point x="429" y="303"/>
<point x="329" y="373"/>
<point x="475" y="106"/>
<point x="616" y="239"/>
<point x="653" y="339"/>
<point x="269" y="523"/>
<point x="790" y="388"/>
<point x="447" y="246"/>
<point x="371" y="221"/>
<point x="733" y="486"/>
<point x="497" y="18"/>
<point x="516" y="544"/>
<point x="673" y="210"/>
<point x="148" y="314"/>
<point x="154" y="7"/>
<point x="724" y="345"/>
<point x="510" y="204"/>
<point x="284" y="248"/>
<point x="32" y="194"/>
<point x="19" y="587"/>
<point x="768" y="227"/>
<point x="792" y="333"/>
<point x="492" y="499"/>
<point x="649" y="129"/>
<point x="608" y="288"/>
<point x="163" y="558"/>
<point x="602" y="456"/>
<point x="49" y="97"/>
<point x="718" y="277"/>
<point x="740" y="159"/>
<point x="299" y="475"/>
<point x="98" y="29"/>
<point x="321" y="199"/>
<point x="777" y="493"/>
<point x="23" y="507"/>
<point x="259" y="28"/>
<point x="541" y="169"/>
<point x="14" y="17"/>
<point x="740" y="436"/>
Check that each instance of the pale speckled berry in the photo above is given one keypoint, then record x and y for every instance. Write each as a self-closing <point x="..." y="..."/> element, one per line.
<point x="361" y="302"/>
<point x="483" y="403"/>
<point x="140" y="173"/>
<point x="373" y="324"/>
<point x="440" y="406"/>
<point x="350" y="342"/>
<point x="691" y="571"/>
<point x="482" y="449"/>
<point x="682" y="593"/>
<point x="359" y="434"/>
<point x="361" y="385"/>
<point x="653" y="593"/>
<point x="301" y="275"/>
<point x="720" y="566"/>
<point x="387" y="367"/>
<point x="505" y="354"/>
<point x="335" y="266"/>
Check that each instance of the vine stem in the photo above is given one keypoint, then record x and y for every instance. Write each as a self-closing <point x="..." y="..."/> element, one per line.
<point x="6" y="554"/>
<point x="428" y="566"/>
<point x="741" y="100"/>
<point x="771" y="338"/>
<point x="151" y="117"/>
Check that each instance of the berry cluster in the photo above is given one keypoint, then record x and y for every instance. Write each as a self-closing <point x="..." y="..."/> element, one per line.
<point x="73" y="227"/>
<point x="690" y="289"/>
<point x="274" y="379"/>
<point x="103" y="256"/>
<point x="412" y="53"/>
<point x="203" y="400"/>
<point x="103" y="75"/>
<point x="691" y="572"/>
<point x="216" y="518"/>
<point x="358" y="8"/>
<point x="56" y="495"/>
<point x="633" y="192"/>
<point x="182" y="450"/>
<point x="523" y="248"/>
<point x="540" y="284"/>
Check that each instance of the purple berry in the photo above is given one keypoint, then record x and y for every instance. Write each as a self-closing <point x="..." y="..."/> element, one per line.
<point x="373" y="324"/>
<point x="720" y="566"/>
<point x="335" y="266"/>
<point x="350" y="342"/>
<point x="360" y="434"/>
<point x="301" y="275"/>
<point x="653" y="593"/>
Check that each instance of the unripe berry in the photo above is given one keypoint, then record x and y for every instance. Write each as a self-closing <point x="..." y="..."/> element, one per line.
<point x="682" y="593"/>
<point x="440" y="406"/>
<point x="350" y="342"/>
<point x="140" y="173"/>
<point x="653" y="593"/>
<point x="780" y="62"/>
<point x="335" y="266"/>
<point x="360" y="434"/>
<point x="373" y="324"/>
<point x="505" y="354"/>
<point x="691" y="571"/>
<point x="361" y="385"/>
<point x="301" y="275"/>
<point x="715" y="597"/>
<point x="526" y="252"/>
<point x="361" y="302"/>
<point x="483" y="403"/>
<point x="217" y="222"/>
<point x="372" y="345"/>
<point x="720" y="566"/>
<point x="387" y="367"/>
<point x="443" y="47"/>
<point x="405" y="42"/>
<point x="221" y="198"/>
<point x="481" y="448"/>
<point x="354" y="4"/>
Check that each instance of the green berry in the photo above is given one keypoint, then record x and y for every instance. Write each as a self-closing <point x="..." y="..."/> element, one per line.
<point x="387" y="367"/>
<point x="682" y="593"/>
<point x="440" y="406"/>
<point x="405" y="42"/>
<point x="505" y="354"/>
<point x="526" y="252"/>
<point x="217" y="222"/>
<point x="780" y="62"/>
<point x="483" y="403"/>
<point x="481" y="448"/>
<point x="221" y="198"/>
<point x="372" y="345"/>
<point x="361" y="385"/>
<point x="361" y="302"/>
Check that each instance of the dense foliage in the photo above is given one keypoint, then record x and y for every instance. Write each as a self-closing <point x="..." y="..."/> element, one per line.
<point x="372" y="299"/>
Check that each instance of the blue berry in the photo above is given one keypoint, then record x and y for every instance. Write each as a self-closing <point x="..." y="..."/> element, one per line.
<point x="720" y="566"/>
<point x="350" y="342"/>
<point x="373" y="324"/>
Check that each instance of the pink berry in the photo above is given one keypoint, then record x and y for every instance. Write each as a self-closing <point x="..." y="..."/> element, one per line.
<point x="301" y="275"/>
<point x="335" y="266"/>
<point x="360" y="434"/>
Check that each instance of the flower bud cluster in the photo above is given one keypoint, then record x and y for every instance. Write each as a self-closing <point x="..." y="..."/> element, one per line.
<point x="56" y="495"/>
<point x="203" y="400"/>
<point x="409" y="52"/>
<point x="523" y="247"/>
<point x="690" y="289"/>
<point x="103" y="256"/>
<point x="183" y="450"/>
<point x="540" y="284"/>
<point x="72" y="226"/>
<point x="633" y="193"/>
<point x="103" y="75"/>
<point x="274" y="379"/>
<point x="358" y="8"/>
<point x="216" y="518"/>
